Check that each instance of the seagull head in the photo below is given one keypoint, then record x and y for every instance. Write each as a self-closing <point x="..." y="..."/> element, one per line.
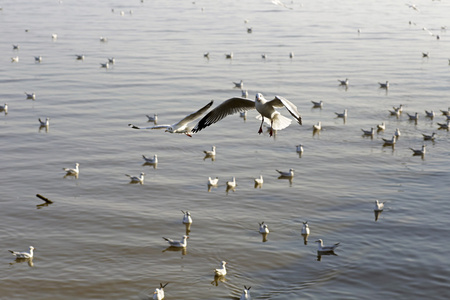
<point x="169" y="129"/>
<point x="259" y="97"/>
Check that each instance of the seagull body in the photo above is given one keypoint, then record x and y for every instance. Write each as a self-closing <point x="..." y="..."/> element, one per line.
<point x="317" y="126"/>
<point x="414" y="117"/>
<point x="446" y="112"/>
<point x="15" y="47"/>
<point x="38" y="58"/>
<point x="79" y="57"/>
<point x="31" y="96"/>
<point x="136" y="179"/>
<point x="419" y="151"/>
<point x="222" y="271"/>
<point x="399" y="108"/>
<point x="323" y="248"/>
<point x="395" y="112"/>
<point x="159" y="292"/>
<point x="246" y="294"/>
<point x="239" y="85"/>
<point x="187" y="217"/>
<point x="384" y="85"/>
<point x="317" y="104"/>
<point x="229" y="55"/>
<point x="44" y="123"/>
<point x="23" y="254"/>
<point x="54" y="36"/>
<point x="15" y="59"/>
<point x="74" y="171"/>
<point x="259" y="181"/>
<point x="429" y="137"/>
<point x="150" y="160"/>
<point x="299" y="148"/>
<point x="379" y="206"/>
<point x="264" y="56"/>
<point x="305" y="228"/>
<point x="289" y="173"/>
<point x="206" y="55"/>
<point x="153" y="119"/>
<point x="112" y="60"/>
<point x="342" y="115"/>
<point x="182" y="125"/>
<point x="370" y="132"/>
<point x="343" y="82"/>
<point x="104" y="65"/>
<point x="244" y="94"/>
<point x="263" y="228"/>
<point x="211" y="152"/>
<point x="425" y="54"/>
<point x="390" y="142"/>
<point x="4" y="108"/>
<point x="444" y="125"/>
<point x="264" y="107"/>
<point x="291" y="54"/>
<point x="381" y="126"/>
<point x="213" y="182"/>
<point x="178" y="244"/>
<point x="430" y="114"/>
<point x="103" y="39"/>
<point x="231" y="184"/>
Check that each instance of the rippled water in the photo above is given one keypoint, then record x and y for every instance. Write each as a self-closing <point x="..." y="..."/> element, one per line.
<point x="102" y="237"/>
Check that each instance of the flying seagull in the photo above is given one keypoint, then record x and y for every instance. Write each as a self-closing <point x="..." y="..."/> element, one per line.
<point x="182" y="125"/>
<point x="264" y="107"/>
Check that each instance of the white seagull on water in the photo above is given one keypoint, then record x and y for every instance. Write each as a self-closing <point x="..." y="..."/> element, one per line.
<point x="264" y="107"/>
<point x="384" y="85"/>
<point x="4" y="108"/>
<point x="429" y="137"/>
<point x="187" y="217"/>
<point x="322" y="248"/>
<point x="342" y="115"/>
<point x="150" y="160"/>
<point x="159" y="292"/>
<point x="177" y="244"/>
<point x="370" y="132"/>
<point x="31" y="96"/>
<point x="222" y="271"/>
<point x="379" y="206"/>
<point x="182" y="125"/>
<point x="137" y="179"/>
<point x="414" y="117"/>
<point x="317" y="104"/>
<point x="153" y="119"/>
<point x="239" y="85"/>
<point x="343" y="82"/>
<point x="23" y="254"/>
<point x="213" y="182"/>
<point x="44" y="123"/>
<point x="317" y="127"/>
<point x="381" y="126"/>
<point x="231" y="184"/>
<point x="74" y="171"/>
<point x="263" y="228"/>
<point x="211" y="152"/>
<point x="305" y="228"/>
<point x="419" y="151"/>
<point x="259" y="181"/>
<point x="289" y="173"/>
<point x="246" y="294"/>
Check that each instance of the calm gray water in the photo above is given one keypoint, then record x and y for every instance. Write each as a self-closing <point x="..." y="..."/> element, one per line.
<point x="102" y="237"/>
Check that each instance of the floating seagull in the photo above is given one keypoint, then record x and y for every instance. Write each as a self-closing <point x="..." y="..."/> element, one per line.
<point x="103" y="39"/>
<point x="23" y="254"/>
<point x="45" y="123"/>
<point x="430" y="114"/>
<point x="136" y="179"/>
<point x="4" y="108"/>
<point x="153" y="119"/>
<point x="381" y="126"/>
<point x="38" y="58"/>
<point x="30" y="96"/>
<point x="384" y="85"/>
<point x="178" y="244"/>
<point x="213" y="182"/>
<point x="429" y="137"/>
<point x="370" y="132"/>
<point x="299" y="148"/>
<point x="221" y="271"/>
<point x="159" y="292"/>
<point x="399" y="108"/>
<point x="397" y="132"/>
<point x="104" y="65"/>
<point x="291" y="54"/>
<point x="317" y="104"/>
<point x="75" y="171"/>
<point x="264" y="107"/>
<point x="79" y="57"/>
<point x="342" y="115"/>
<point x="239" y="85"/>
<point x="264" y="56"/>
<point x="182" y="125"/>
<point x="150" y="160"/>
<point x="263" y="228"/>
<point x="323" y="248"/>
<point x="425" y="54"/>
<point x="289" y="173"/>
<point x="379" y="206"/>
<point x="229" y="56"/>
<point x="446" y="112"/>
<point x="15" y="47"/>
<point x="54" y="36"/>
<point x="305" y="228"/>
<point x="211" y="152"/>
<point x="206" y="55"/>
<point x="317" y="127"/>
<point x="112" y="60"/>
<point x="444" y="125"/>
<point x="244" y="94"/>
<point x="187" y="217"/>
<point x="343" y="82"/>
<point x="395" y="113"/>
<point x="246" y="294"/>
<point x="414" y="117"/>
<point x="231" y="184"/>
<point x="259" y="181"/>
<point x="15" y="59"/>
<point x="249" y="30"/>
<point x="420" y="151"/>
<point x="390" y="142"/>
